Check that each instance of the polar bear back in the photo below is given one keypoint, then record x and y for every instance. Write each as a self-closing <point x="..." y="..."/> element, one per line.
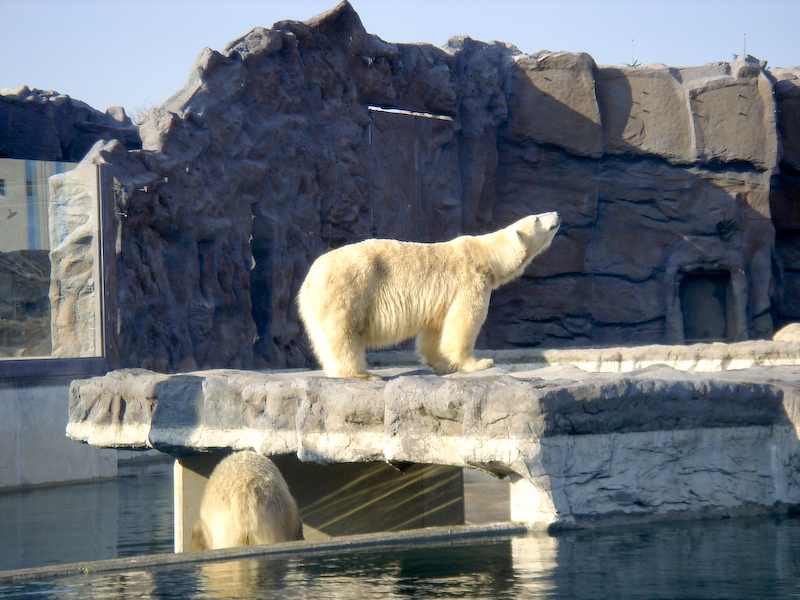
<point x="246" y="502"/>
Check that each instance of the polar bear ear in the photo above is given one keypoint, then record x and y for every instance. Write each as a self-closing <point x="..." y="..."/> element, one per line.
<point x="524" y="228"/>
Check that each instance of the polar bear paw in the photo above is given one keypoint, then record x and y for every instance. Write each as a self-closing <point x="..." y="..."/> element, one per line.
<point x="476" y="365"/>
<point x="366" y="375"/>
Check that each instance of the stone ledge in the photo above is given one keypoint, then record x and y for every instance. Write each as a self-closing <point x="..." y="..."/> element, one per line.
<point x="450" y="420"/>
<point x="580" y="447"/>
<point x="705" y="357"/>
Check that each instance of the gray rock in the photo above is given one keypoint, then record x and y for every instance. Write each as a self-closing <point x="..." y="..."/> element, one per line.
<point x="644" y="111"/>
<point x="734" y="120"/>
<point x="340" y="421"/>
<point x="45" y="125"/>
<point x="787" y="96"/>
<point x="714" y="357"/>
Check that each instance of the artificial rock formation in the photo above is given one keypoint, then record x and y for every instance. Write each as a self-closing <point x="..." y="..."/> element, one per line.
<point x="45" y="125"/>
<point x="785" y="198"/>
<point x="75" y="288"/>
<point x="273" y="152"/>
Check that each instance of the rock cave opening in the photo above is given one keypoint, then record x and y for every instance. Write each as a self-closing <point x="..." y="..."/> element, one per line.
<point x="706" y="305"/>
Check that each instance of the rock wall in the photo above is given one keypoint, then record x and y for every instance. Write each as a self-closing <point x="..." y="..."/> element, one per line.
<point x="45" y="125"/>
<point x="785" y="198"/>
<point x="271" y="154"/>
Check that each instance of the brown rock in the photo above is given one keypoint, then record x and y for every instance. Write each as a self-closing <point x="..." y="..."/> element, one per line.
<point x="550" y="90"/>
<point x="644" y="112"/>
<point x="734" y="118"/>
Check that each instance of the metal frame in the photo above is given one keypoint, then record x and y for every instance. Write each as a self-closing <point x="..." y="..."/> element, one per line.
<point x="105" y="273"/>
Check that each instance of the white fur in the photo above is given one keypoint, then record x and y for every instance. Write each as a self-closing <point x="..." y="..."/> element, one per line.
<point x="246" y="503"/>
<point x="377" y="293"/>
<point x="788" y="333"/>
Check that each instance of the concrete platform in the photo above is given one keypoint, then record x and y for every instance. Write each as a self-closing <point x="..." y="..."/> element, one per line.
<point x="580" y="448"/>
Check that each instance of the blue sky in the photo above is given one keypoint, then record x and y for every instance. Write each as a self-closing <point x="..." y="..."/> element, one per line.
<point x="137" y="53"/>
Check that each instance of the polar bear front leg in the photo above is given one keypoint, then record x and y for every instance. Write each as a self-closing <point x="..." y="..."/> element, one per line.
<point x="428" y="343"/>
<point x="460" y="330"/>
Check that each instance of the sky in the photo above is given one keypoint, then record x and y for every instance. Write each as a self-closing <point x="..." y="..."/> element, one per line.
<point x="138" y="53"/>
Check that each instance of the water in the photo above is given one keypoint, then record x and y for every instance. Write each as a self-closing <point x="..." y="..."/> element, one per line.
<point x="722" y="559"/>
<point x="123" y="517"/>
<point x="731" y="559"/>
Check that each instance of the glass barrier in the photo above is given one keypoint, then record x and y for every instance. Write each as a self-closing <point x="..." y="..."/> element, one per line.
<point x="49" y="260"/>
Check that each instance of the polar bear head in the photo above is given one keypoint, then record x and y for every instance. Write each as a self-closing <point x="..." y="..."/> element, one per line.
<point x="521" y="242"/>
<point x="536" y="232"/>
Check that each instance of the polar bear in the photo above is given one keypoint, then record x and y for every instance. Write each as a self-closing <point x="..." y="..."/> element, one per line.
<point x="377" y="293"/>
<point x="788" y="333"/>
<point x="246" y="503"/>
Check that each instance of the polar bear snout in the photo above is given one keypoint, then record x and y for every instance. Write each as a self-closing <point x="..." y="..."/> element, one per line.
<point x="550" y="221"/>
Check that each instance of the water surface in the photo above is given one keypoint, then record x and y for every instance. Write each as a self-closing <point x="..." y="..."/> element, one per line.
<point x="731" y="559"/>
<point x="126" y="516"/>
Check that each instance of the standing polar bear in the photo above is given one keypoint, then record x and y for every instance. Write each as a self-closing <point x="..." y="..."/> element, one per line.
<point x="246" y="503"/>
<point x="377" y="293"/>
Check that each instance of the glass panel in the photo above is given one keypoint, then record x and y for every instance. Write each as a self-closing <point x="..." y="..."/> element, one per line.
<point x="49" y="266"/>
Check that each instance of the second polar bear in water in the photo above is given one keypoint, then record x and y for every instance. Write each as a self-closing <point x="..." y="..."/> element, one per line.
<point x="246" y="502"/>
<point x="377" y="293"/>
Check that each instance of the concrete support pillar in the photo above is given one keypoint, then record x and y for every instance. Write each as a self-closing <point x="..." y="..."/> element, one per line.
<point x="529" y="504"/>
<point x="339" y="499"/>
<point x="189" y="482"/>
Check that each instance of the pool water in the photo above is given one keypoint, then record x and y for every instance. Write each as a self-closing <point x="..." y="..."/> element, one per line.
<point x="714" y="559"/>
<point x="731" y="559"/>
<point x="126" y="516"/>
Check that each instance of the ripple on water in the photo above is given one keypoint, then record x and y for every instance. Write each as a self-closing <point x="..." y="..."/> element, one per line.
<point x="733" y="559"/>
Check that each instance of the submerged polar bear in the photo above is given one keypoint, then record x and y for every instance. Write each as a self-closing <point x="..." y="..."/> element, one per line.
<point x="246" y="503"/>
<point x="377" y="293"/>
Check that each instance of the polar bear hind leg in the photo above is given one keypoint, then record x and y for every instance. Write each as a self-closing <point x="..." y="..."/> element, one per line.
<point x="347" y="356"/>
<point x="341" y="352"/>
